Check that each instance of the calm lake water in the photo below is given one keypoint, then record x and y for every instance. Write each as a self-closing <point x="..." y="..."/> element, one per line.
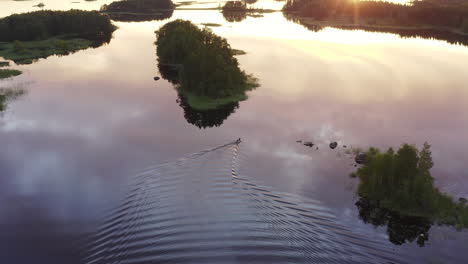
<point x="91" y="120"/>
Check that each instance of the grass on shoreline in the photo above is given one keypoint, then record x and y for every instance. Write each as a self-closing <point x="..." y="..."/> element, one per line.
<point x="206" y="103"/>
<point x="7" y="73"/>
<point x="29" y="51"/>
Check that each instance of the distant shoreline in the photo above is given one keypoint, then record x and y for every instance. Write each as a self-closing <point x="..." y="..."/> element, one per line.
<point x="328" y="23"/>
<point x="161" y="11"/>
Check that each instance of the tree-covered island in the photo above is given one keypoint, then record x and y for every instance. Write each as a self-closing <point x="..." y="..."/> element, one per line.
<point x="203" y="65"/>
<point x="27" y="37"/>
<point x="139" y="10"/>
<point x="397" y="190"/>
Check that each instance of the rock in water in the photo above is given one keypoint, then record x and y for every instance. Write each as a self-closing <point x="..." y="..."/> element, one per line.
<point x="156" y="78"/>
<point x="333" y="145"/>
<point x="308" y="144"/>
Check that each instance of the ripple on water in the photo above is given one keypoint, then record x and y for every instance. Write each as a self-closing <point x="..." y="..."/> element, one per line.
<point x="199" y="210"/>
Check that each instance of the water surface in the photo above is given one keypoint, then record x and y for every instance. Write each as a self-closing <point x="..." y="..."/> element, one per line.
<point x="92" y="119"/>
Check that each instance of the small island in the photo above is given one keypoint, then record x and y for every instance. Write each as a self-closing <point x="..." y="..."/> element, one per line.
<point x="236" y="11"/>
<point x="202" y="65"/>
<point x="27" y="37"/>
<point x="445" y="20"/>
<point x="397" y="190"/>
<point x="7" y="73"/>
<point x="139" y="10"/>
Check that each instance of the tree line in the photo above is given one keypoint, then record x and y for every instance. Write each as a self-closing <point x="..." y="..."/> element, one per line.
<point x="419" y="13"/>
<point x="40" y="25"/>
<point x="139" y="6"/>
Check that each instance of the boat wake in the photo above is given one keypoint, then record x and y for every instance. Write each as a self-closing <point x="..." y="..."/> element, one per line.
<point x="199" y="209"/>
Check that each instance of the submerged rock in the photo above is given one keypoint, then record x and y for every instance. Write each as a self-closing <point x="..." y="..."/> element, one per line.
<point x="333" y="145"/>
<point x="360" y="158"/>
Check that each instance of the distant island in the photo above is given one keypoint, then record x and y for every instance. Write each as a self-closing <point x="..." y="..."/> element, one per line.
<point x="202" y="65"/>
<point x="236" y="11"/>
<point x="7" y="73"/>
<point x="27" y="37"/>
<point x="426" y="18"/>
<point x="139" y="10"/>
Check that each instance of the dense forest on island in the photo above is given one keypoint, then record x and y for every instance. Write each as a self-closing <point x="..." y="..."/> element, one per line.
<point x="139" y="6"/>
<point x="30" y="36"/>
<point x="41" y="25"/>
<point x="441" y="14"/>
<point x="208" y="74"/>
<point x="234" y="11"/>
<point x="398" y="188"/>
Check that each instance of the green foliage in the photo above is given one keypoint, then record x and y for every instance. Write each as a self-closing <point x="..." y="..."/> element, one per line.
<point x="7" y="73"/>
<point x="61" y="44"/>
<point x="139" y="6"/>
<point x="30" y="51"/>
<point x="206" y="64"/>
<point x="402" y="182"/>
<point x="41" y="25"/>
<point x="19" y="47"/>
<point x="4" y="64"/>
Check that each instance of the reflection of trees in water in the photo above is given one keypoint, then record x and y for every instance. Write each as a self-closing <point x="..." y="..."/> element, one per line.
<point x="250" y="2"/>
<point x="137" y="17"/>
<point x="299" y="20"/>
<point x="9" y="94"/>
<point x="234" y="16"/>
<point x="425" y="33"/>
<point x="204" y="70"/>
<point x="400" y="228"/>
<point x="209" y="117"/>
<point x="201" y="118"/>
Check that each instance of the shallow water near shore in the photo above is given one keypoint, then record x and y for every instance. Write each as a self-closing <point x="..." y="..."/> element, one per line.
<point x="90" y="121"/>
